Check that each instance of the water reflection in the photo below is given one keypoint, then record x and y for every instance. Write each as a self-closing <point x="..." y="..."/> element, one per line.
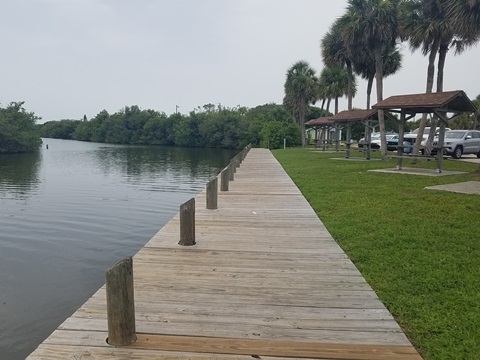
<point x="148" y="167"/>
<point x="19" y="177"/>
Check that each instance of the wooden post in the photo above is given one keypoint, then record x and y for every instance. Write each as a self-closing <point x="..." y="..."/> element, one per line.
<point x="225" y="177"/>
<point x="120" y="304"/>
<point x="349" y="140"/>
<point x="368" y="140"/>
<point x="212" y="194"/>
<point x="337" y="138"/>
<point x="441" y="143"/>
<point x="401" y="135"/>
<point x="187" y="223"/>
<point x="326" y="137"/>
<point x="232" y="168"/>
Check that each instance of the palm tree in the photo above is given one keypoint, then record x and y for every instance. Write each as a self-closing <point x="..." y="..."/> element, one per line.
<point x="435" y="26"/>
<point x="423" y="24"/>
<point x="464" y="19"/>
<point x="364" y="66"/>
<point x="300" y="90"/>
<point x="334" y="79"/>
<point x="373" y="23"/>
<point x="465" y="16"/>
<point x="336" y="52"/>
<point x="465" y="32"/>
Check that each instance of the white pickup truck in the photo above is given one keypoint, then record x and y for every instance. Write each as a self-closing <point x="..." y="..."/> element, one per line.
<point x="412" y="136"/>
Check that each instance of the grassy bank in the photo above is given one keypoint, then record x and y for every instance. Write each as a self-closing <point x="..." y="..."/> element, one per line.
<point x="419" y="249"/>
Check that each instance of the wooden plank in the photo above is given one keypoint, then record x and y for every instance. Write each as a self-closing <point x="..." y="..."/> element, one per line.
<point x="161" y="321"/>
<point x="96" y="307"/>
<point x="354" y="335"/>
<point x="257" y="348"/>
<point x="62" y="352"/>
<point x="216" y="297"/>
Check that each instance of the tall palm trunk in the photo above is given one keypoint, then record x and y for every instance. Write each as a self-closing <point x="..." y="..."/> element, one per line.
<point x="430" y="77"/>
<point x="350" y="84"/>
<point x="336" y="105"/>
<point x="379" y="85"/>
<point x="301" y="121"/>
<point x="442" y="55"/>
<point x="369" y="90"/>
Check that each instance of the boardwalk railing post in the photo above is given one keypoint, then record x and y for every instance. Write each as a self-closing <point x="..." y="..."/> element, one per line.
<point x="225" y="178"/>
<point x="237" y="160"/>
<point x="233" y="164"/>
<point x="212" y="194"/>
<point x="120" y="304"/>
<point x="232" y="168"/>
<point x="187" y="223"/>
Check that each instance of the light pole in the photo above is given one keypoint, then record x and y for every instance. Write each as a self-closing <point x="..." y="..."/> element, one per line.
<point x="176" y="109"/>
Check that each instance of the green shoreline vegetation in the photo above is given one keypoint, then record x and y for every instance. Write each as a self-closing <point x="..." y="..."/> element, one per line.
<point x="208" y="126"/>
<point x="417" y="248"/>
<point x="17" y="129"/>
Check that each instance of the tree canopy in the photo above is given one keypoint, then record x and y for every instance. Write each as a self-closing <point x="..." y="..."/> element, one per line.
<point x="17" y="129"/>
<point x="207" y="126"/>
<point x="301" y="89"/>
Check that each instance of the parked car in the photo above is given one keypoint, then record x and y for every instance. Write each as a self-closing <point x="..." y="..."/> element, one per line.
<point x="392" y="143"/>
<point x="409" y="138"/>
<point x="375" y="140"/>
<point x="361" y="142"/>
<point x="459" y="142"/>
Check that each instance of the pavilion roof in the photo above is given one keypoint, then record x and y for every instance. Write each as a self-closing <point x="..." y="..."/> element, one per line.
<point x="319" y="121"/>
<point x="450" y="101"/>
<point x="355" y="115"/>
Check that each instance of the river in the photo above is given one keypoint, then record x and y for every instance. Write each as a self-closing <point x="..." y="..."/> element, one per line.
<point x="70" y="212"/>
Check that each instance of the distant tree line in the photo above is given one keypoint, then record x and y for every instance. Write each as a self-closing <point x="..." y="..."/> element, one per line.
<point x="17" y="129"/>
<point x="208" y="126"/>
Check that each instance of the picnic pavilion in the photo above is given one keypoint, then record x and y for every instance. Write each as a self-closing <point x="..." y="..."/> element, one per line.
<point x="344" y="119"/>
<point x="445" y="105"/>
<point x="322" y="125"/>
<point x="347" y="119"/>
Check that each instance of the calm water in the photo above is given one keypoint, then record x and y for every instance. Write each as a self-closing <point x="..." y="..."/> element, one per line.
<point x="70" y="212"/>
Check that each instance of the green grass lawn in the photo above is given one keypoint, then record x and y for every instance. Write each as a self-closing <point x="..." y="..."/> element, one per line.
<point x="419" y="249"/>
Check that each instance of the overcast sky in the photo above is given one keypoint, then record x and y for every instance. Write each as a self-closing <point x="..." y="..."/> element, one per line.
<point x="67" y="58"/>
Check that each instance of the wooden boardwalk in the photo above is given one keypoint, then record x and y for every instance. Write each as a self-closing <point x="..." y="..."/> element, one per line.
<point x="266" y="281"/>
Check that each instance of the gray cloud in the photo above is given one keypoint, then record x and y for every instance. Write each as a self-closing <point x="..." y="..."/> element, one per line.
<point x="67" y="58"/>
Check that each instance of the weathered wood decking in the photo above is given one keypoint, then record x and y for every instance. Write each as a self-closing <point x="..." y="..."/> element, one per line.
<point x="265" y="280"/>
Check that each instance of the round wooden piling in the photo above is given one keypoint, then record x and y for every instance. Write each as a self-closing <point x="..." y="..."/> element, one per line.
<point x="187" y="223"/>
<point x="212" y="194"/>
<point x="120" y="304"/>
<point x="225" y="178"/>
<point x="237" y="160"/>
<point x="231" y="169"/>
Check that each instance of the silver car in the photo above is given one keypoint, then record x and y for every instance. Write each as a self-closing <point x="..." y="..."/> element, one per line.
<point x="459" y="142"/>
